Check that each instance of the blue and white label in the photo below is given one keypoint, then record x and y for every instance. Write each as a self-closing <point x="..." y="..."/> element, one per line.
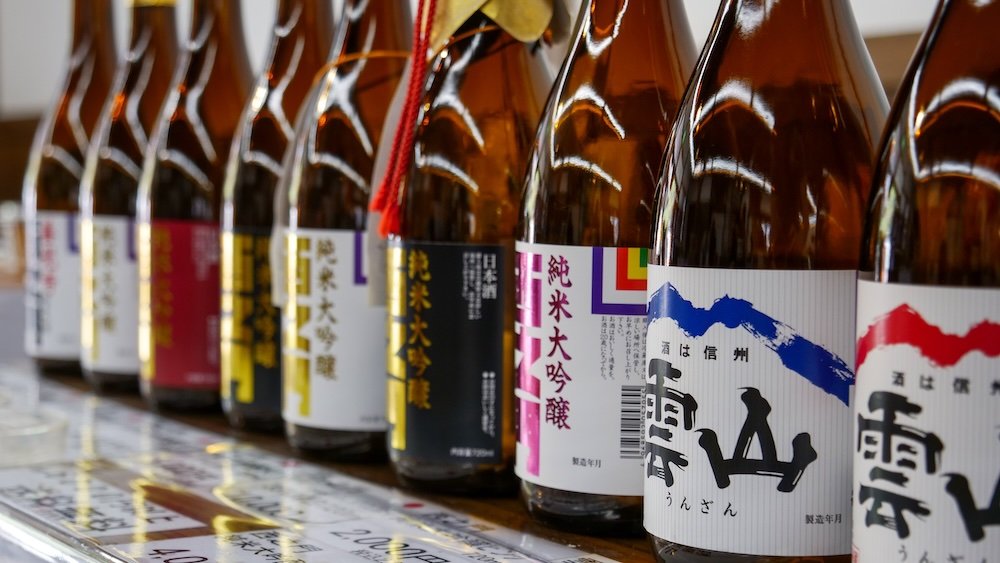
<point x="749" y="383"/>
<point x="52" y="285"/>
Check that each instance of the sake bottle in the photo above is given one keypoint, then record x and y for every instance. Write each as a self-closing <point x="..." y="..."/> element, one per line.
<point x="334" y="394"/>
<point x="179" y="201"/>
<point x="451" y="257"/>
<point x="926" y="450"/>
<point x="251" y="324"/>
<point x="750" y="347"/>
<point x="110" y="291"/>
<point x="51" y="190"/>
<point x="587" y="210"/>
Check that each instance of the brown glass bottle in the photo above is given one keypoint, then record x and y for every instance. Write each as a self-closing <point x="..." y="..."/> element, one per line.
<point x="51" y="191"/>
<point x="179" y="203"/>
<point x="929" y="300"/>
<point x="251" y="330"/>
<point x="751" y="278"/>
<point x="110" y="299"/>
<point x="329" y="179"/>
<point x="451" y="349"/>
<point x="589" y="185"/>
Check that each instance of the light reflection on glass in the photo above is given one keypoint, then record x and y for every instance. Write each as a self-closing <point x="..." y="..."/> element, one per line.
<point x="961" y="93"/>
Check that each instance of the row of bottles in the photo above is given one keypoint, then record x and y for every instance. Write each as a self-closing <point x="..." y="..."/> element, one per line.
<point x="642" y="297"/>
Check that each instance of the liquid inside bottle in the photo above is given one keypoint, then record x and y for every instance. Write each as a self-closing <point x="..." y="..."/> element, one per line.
<point x="751" y="286"/>
<point x="587" y="204"/>
<point x="334" y="403"/>
<point x="110" y="291"/>
<point x="180" y="193"/>
<point x="50" y="195"/>
<point x="251" y="323"/>
<point x="450" y="269"/>
<point x="928" y="316"/>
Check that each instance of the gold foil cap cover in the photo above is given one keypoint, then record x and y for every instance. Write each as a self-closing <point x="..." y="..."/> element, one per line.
<point x="147" y="3"/>
<point x="525" y="20"/>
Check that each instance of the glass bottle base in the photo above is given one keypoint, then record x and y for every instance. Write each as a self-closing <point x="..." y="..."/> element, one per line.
<point x="336" y="445"/>
<point x="111" y="383"/>
<point x="175" y="399"/>
<point x="253" y="419"/>
<point x="584" y="513"/>
<point x="669" y="552"/>
<point x="467" y="479"/>
<point x="48" y="366"/>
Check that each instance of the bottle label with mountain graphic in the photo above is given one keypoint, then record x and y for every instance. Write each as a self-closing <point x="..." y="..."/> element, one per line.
<point x="747" y="402"/>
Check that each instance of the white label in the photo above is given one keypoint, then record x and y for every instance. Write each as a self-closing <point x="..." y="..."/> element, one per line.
<point x="749" y="384"/>
<point x="335" y="342"/>
<point x="265" y="546"/>
<point x="52" y="285"/>
<point x="927" y="431"/>
<point x="581" y="364"/>
<point x="110" y="305"/>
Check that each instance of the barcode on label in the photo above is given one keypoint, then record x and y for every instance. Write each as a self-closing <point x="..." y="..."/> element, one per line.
<point x="630" y="446"/>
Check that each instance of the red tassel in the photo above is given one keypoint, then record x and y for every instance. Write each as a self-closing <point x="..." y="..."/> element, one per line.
<point x="388" y="198"/>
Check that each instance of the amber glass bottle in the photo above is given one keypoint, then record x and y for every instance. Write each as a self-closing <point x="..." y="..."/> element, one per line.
<point x="50" y="196"/>
<point x="588" y="200"/>
<point x="751" y="289"/>
<point x="110" y="291"/>
<point x="451" y="275"/>
<point x="179" y="202"/>
<point x="929" y="306"/>
<point x="251" y="324"/>
<point x="335" y="339"/>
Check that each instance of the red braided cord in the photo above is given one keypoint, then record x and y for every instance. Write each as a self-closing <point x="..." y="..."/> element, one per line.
<point x="387" y="200"/>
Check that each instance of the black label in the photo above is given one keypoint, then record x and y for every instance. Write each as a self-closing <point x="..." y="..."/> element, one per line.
<point x="446" y="333"/>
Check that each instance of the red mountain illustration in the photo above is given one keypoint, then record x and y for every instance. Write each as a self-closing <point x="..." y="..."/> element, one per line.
<point x="904" y="325"/>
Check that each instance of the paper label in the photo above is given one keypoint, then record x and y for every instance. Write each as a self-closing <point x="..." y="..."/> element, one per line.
<point x="448" y="308"/>
<point x="334" y="340"/>
<point x="748" y="395"/>
<point x="581" y="367"/>
<point x="926" y="443"/>
<point x="179" y="304"/>
<point x="110" y="304"/>
<point x="52" y="285"/>
<point x="251" y="335"/>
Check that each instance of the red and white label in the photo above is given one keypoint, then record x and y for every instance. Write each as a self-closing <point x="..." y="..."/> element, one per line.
<point x="926" y="434"/>
<point x="581" y="361"/>
<point x="52" y="285"/>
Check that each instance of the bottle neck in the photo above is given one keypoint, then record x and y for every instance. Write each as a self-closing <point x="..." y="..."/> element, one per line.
<point x="222" y="19"/>
<point x="92" y="21"/>
<point x="390" y="20"/>
<point x="310" y="13"/>
<point x="155" y="23"/>
<point x="798" y="20"/>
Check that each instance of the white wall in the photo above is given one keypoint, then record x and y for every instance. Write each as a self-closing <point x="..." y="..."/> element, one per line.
<point x="34" y="38"/>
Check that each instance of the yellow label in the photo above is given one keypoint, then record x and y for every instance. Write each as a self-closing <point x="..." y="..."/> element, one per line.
<point x="249" y="327"/>
<point x="396" y="288"/>
<point x="88" y="330"/>
<point x="145" y="301"/>
<point x="297" y="365"/>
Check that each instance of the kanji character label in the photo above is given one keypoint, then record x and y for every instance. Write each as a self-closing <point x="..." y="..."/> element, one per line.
<point x="179" y="304"/>
<point x="747" y="406"/>
<point x="927" y="426"/>
<point x="334" y="350"/>
<point x="581" y="348"/>
<point x="251" y="324"/>
<point x="52" y="285"/>
<point x="448" y="307"/>
<point x="110" y="295"/>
